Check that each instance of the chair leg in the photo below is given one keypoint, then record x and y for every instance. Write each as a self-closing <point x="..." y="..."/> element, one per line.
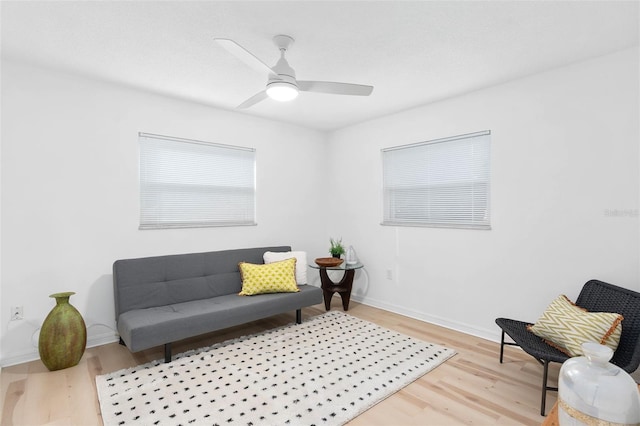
<point x="544" y="387"/>
<point x="501" y="346"/>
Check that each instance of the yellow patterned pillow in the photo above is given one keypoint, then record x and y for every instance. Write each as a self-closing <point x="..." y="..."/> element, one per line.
<point x="567" y="326"/>
<point x="277" y="277"/>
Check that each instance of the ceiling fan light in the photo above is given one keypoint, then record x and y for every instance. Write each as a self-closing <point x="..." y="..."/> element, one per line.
<point x="282" y="91"/>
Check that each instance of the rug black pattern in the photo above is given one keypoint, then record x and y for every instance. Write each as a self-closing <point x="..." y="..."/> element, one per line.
<point x="324" y="371"/>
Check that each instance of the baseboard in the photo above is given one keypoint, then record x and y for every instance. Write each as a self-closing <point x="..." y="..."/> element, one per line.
<point x="491" y="335"/>
<point x="33" y="355"/>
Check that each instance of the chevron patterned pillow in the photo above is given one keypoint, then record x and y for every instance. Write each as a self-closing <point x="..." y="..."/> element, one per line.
<point x="567" y="326"/>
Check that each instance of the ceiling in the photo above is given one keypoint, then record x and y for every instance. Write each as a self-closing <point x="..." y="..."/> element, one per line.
<point x="413" y="52"/>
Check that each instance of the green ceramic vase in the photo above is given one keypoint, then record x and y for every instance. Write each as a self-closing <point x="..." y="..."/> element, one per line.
<point x="63" y="336"/>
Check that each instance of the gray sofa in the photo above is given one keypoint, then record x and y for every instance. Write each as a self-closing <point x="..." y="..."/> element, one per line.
<point x="163" y="299"/>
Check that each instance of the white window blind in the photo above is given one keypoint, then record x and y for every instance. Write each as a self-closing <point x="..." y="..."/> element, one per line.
<point x="444" y="182"/>
<point x="186" y="183"/>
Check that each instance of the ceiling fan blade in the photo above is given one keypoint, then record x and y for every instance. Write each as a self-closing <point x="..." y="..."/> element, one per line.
<point x="260" y="96"/>
<point x="245" y="56"/>
<point x="335" y="88"/>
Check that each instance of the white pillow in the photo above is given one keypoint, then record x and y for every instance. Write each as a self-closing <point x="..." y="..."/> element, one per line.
<point x="301" y="262"/>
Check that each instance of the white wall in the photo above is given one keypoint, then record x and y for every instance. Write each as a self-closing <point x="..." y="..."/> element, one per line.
<point x="564" y="151"/>
<point x="70" y="192"/>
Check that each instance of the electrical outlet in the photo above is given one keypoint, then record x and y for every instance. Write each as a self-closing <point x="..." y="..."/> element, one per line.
<point x="17" y="313"/>
<point x="389" y="274"/>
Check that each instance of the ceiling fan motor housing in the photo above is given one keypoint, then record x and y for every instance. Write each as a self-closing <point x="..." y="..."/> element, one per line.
<point x="283" y="86"/>
<point x="283" y="70"/>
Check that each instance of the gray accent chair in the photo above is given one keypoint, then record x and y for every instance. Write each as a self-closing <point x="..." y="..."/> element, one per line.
<point x="595" y="296"/>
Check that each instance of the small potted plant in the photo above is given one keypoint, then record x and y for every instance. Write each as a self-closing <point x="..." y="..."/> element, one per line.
<point x="336" y="248"/>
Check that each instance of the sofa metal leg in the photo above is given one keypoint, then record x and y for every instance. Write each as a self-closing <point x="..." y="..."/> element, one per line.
<point x="299" y="316"/>
<point x="502" y="347"/>
<point x="167" y="352"/>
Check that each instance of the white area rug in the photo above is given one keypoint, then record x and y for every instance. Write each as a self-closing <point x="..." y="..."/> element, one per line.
<point x="324" y="371"/>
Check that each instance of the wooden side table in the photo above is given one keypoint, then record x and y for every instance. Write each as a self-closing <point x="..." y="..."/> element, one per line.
<point x="343" y="288"/>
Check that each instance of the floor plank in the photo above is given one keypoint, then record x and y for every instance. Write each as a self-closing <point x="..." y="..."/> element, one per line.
<point x="470" y="388"/>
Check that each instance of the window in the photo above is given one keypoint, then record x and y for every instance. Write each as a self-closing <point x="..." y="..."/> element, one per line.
<point x="444" y="182"/>
<point x="186" y="183"/>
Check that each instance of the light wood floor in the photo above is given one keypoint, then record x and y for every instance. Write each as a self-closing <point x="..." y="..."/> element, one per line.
<point x="470" y="388"/>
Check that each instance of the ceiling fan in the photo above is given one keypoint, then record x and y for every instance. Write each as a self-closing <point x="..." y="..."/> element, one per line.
<point x="281" y="83"/>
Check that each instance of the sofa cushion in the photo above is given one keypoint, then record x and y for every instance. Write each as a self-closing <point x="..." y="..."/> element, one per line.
<point x="141" y="329"/>
<point x="567" y="326"/>
<point x="277" y="277"/>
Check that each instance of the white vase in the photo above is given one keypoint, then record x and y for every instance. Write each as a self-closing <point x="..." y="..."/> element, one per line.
<point x="351" y="256"/>
<point x="593" y="391"/>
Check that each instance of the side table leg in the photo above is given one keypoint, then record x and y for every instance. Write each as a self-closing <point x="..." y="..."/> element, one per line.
<point x="327" y="299"/>
<point x="346" y="297"/>
<point x="326" y="286"/>
<point x="346" y="283"/>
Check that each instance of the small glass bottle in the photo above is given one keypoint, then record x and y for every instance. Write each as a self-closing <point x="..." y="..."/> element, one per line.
<point x="593" y="391"/>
